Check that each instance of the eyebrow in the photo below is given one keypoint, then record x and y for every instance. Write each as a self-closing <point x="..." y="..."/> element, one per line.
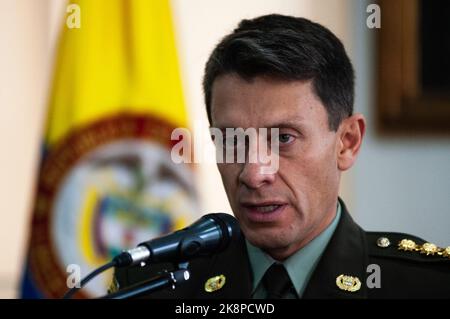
<point x="295" y="121"/>
<point x="286" y="124"/>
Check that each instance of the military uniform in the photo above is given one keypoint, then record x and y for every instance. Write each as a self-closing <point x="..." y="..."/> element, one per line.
<point x="408" y="268"/>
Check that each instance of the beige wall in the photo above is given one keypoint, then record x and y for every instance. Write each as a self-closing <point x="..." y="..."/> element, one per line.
<point x="28" y="29"/>
<point x="25" y="40"/>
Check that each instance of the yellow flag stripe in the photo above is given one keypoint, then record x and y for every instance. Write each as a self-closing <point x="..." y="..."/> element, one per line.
<point x="122" y="59"/>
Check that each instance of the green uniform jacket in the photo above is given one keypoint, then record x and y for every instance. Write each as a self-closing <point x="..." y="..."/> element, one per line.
<point x="412" y="269"/>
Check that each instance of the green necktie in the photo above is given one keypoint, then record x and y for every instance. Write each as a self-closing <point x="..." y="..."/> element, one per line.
<point x="277" y="282"/>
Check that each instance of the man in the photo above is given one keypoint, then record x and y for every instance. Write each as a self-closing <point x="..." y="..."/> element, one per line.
<point x="298" y="240"/>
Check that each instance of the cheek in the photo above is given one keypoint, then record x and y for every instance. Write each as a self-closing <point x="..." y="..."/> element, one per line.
<point x="312" y="169"/>
<point x="321" y="162"/>
<point x="322" y="174"/>
<point x="321" y="153"/>
<point x="229" y="174"/>
<point x="322" y="170"/>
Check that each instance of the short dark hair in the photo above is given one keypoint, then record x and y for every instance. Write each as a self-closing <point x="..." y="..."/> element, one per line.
<point x="287" y="48"/>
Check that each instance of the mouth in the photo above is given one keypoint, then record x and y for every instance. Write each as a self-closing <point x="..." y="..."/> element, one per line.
<point x="263" y="212"/>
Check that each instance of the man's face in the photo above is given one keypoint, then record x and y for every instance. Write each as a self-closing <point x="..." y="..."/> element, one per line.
<point x="283" y="211"/>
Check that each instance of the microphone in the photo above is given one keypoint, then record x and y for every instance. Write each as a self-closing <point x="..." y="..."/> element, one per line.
<point x="210" y="234"/>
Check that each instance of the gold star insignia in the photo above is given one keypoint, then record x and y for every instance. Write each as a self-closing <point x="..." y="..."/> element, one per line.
<point x="429" y="249"/>
<point x="446" y="252"/>
<point x="407" y="245"/>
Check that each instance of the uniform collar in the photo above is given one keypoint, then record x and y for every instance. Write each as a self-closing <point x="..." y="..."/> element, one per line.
<point x="345" y="254"/>
<point x="299" y="266"/>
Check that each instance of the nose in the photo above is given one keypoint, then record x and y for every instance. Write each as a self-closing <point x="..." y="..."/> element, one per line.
<point x="254" y="176"/>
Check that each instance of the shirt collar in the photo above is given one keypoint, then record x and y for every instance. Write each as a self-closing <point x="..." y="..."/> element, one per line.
<point x="300" y="265"/>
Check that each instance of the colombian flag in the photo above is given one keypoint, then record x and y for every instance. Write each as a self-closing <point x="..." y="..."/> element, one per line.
<point x="106" y="179"/>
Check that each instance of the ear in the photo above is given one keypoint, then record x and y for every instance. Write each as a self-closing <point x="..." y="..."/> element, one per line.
<point x="351" y="132"/>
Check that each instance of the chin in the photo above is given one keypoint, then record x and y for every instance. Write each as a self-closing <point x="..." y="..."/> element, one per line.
<point x="267" y="240"/>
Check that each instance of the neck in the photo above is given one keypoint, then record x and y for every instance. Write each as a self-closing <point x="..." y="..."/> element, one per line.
<point x="283" y="253"/>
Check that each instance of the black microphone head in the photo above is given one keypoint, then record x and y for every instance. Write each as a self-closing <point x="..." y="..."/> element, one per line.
<point x="229" y="226"/>
<point x="213" y="233"/>
<point x="210" y="234"/>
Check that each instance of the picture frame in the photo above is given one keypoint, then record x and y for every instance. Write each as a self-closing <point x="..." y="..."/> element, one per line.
<point x="413" y="58"/>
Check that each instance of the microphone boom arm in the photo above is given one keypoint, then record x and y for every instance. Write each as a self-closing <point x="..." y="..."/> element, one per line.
<point x="167" y="279"/>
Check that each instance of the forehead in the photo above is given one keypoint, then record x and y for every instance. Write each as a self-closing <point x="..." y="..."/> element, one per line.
<point x="263" y="102"/>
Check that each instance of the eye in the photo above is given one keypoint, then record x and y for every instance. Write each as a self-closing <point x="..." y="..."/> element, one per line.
<point x="286" y="138"/>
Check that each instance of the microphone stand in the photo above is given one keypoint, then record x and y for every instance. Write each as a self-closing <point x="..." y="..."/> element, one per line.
<point x="167" y="279"/>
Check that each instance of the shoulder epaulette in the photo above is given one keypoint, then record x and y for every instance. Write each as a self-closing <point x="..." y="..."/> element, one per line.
<point x="405" y="246"/>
